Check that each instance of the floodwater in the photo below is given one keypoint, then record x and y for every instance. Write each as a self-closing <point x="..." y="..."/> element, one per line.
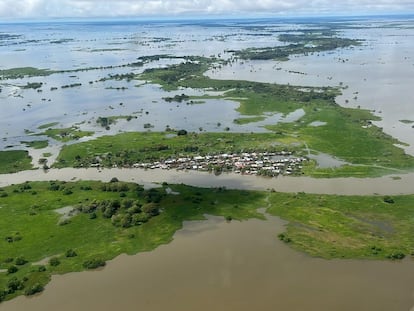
<point x="387" y="185"/>
<point x="215" y="265"/>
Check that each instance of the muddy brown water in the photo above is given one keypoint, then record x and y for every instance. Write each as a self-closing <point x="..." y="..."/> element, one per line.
<point x="214" y="265"/>
<point x="397" y="183"/>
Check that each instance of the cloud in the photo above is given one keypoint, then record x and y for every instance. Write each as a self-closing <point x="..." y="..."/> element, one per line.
<point x="148" y="8"/>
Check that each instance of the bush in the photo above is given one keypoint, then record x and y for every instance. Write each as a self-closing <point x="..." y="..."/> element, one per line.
<point x="71" y="253"/>
<point x="396" y="256"/>
<point x="388" y="199"/>
<point x="12" y="269"/>
<point x="93" y="263"/>
<point x="182" y="133"/>
<point x="37" y="288"/>
<point x="20" y="261"/>
<point x="283" y="237"/>
<point x="54" y="261"/>
<point x="41" y="269"/>
<point x="14" y="284"/>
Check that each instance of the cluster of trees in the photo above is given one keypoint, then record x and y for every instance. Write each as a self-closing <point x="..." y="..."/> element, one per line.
<point x="177" y="98"/>
<point x="125" y="212"/>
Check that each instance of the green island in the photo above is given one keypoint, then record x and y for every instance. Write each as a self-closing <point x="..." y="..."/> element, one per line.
<point x="307" y="42"/>
<point x="37" y="144"/>
<point x="74" y="226"/>
<point x="65" y="134"/>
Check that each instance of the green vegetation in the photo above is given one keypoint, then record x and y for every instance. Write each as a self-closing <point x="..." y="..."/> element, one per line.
<point x="369" y="151"/>
<point x="47" y="125"/>
<point x="38" y="144"/>
<point x="33" y="85"/>
<point x="407" y="121"/>
<point x="18" y="73"/>
<point x="332" y="226"/>
<point x="126" y="149"/>
<point x="65" y="134"/>
<point x="34" y="245"/>
<point x="14" y="160"/>
<point x="248" y="120"/>
<point x="305" y="43"/>
<point x="107" y="121"/>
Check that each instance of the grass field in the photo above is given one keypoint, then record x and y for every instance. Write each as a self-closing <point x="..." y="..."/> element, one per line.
<point x="14" y="160"/>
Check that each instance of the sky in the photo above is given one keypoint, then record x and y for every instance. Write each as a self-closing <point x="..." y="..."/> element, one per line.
<point x="44" y="9"/>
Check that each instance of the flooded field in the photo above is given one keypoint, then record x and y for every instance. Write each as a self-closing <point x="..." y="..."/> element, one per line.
<point x="215" y="265"/>
<point x="376" y="74"/>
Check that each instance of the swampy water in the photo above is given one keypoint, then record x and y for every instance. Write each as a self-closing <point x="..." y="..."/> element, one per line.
<point x="215" y="265"/>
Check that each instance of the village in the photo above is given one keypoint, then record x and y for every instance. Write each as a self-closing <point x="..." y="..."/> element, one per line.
<point x="262" y="163"/>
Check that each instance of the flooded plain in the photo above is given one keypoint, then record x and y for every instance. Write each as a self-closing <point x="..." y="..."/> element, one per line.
<point x="215" y="265"/>
<point x="210" y="265"/>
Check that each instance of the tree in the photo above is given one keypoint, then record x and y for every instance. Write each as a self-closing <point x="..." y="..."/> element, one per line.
<point x="54" y="261"/>
<point x="12" y="269"/>
<point x="20" y="261"/>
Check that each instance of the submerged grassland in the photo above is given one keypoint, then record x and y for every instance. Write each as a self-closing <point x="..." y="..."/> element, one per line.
<point x="57" y="227"/>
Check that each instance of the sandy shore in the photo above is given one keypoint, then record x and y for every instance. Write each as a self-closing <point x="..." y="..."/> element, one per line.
<point x="387" y="185"/>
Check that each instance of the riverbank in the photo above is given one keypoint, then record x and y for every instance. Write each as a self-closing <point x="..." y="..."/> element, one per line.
<point x="397" y="184"/>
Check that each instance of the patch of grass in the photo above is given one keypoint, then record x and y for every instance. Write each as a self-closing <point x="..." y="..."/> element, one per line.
<point x="331" y="226"/>
<point x="248" y="120"/>
<point x="14" y="160"/>
<point x="38" y="144"/>
<point x="65" y="134"/>
<point x="17" y="73"/>
<point x="47" y="125"/>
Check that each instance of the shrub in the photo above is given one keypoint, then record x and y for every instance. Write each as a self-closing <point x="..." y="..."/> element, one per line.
<point x="12" y="269"/>
<point x="41" y="268"/>
<point x="93" y="263"/>
<point x="20" y="261"/>
<point x="283" y="237"/>
<point x="54" y="261"/>
<point x="182" y="133"/>
<point x="388" y="199"/>
<point x="71" y="253"/>
<point x="396" y="256"/>
<point x="37" y="288"/>
<point x="14" y="284"/>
